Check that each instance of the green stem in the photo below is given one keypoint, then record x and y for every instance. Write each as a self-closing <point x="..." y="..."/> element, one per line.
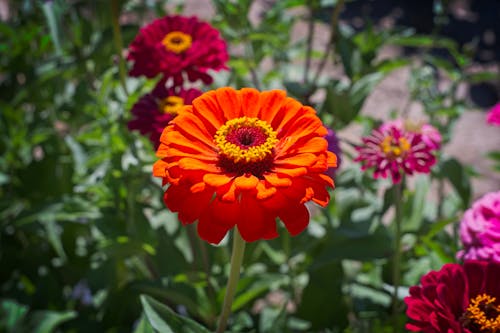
<point x="232" y="283"/>
<point x="396" y="273"/>
<point x="310" y="36"/>
<point x="118" y="40"/>
<point x="333" y="37"/>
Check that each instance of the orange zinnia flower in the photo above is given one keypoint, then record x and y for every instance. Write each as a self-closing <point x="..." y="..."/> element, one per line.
<point x="243" y="158"/>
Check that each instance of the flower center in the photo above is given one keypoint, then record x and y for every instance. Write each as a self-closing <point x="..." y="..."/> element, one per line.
<point x="171" y="105"/>
<point x="482" y="315"/>
<point x="246" y="145"/>
<point x="177" y="41"/>
<point x="393" y="147"/>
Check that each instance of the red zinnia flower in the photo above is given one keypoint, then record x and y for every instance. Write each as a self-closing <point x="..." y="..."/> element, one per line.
<point x="174" y="45"/>
<point x="392" y="149"/>
<point x="243" y="158"/>
<point x="457" y="299"/>
<point x="155" y="110"/>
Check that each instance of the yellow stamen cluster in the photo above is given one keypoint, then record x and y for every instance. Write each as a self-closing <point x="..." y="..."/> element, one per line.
<point x="251" y="153"/>
<point x="485" y="321"/>
<point x="390" y="149"/>
<point x="177" y="41"/>
<point x="171" y="105"/>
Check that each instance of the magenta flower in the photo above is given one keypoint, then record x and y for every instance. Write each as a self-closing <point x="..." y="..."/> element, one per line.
<point x="394" y="150"/>
<point x="493" y="116"/>
<point x="155" y="110"/>
<point x="334" y="147"/>
<point x="430" y="135"/>
<point x="456" y="299"/>
<point x="480" y="229"/>
<point x="177" y="45"/>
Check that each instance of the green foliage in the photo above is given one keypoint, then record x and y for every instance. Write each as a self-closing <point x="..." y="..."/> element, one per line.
<point x="86" y="243"/>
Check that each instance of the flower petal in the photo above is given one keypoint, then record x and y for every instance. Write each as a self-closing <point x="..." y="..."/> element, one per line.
<point x="246" y="182"/>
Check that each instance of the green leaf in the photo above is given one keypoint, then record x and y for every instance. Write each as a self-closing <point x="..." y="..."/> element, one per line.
<point x="423" y="41"/>
<point x="54" y="235"/>
<point x="454" y="171"/>
<point x="50" y="10"/>
<point x="144" y="326"/>
<point x="356" y="242"/>
<point x="11" y="316"/>
<point x="344" y="101"/>
<point x="47" y="321"/>
<point x="481" y="77"/>
<point x="413" y="222"/>
<point x="324" y="288"/>
<point x="164" y="320"/>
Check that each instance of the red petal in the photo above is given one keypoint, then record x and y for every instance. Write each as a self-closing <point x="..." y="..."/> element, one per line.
<point x="295" y="218"/>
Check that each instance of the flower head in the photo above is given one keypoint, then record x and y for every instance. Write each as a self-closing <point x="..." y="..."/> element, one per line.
<point x="480" y="229"/>
<point x="430" y="135"/>
<point x="395" y="149"/>
<point x="493" y="116"/>
<point x="155" y="110"/>
<point x="456" y="299"/>
<point x="244" y="158"/>
<point x="174" y="45"/>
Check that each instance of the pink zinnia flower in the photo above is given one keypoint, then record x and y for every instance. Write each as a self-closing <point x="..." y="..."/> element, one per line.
<point x="155" y="110"/>
<point x="480" y="229"/>
<point x="174" y="45"/>
<point x="456" y="299"/>
<point x="393" y="150"/>
<point x="430" y="135"/>
<point x="493" y="116"/>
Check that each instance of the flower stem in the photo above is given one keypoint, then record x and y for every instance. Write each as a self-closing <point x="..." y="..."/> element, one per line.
<point x="118" y="40"/>
<point x="232" y="283"/>
<point x="333" y="37"/>
<point x="310" y="36"/>
<point x="396" y="272"/>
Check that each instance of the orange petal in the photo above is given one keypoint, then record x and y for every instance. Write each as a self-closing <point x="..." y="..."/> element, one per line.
<point x="162" y="150"/>
<point x="194" y="128"/>
<point x="230" y="194"/>
<point x="292" y="172"/>
<point x="277" y="181"/>
<point x="299" y="146"/>
<point x="250" y="102"/>
<point x="194" y="164"/>
<point x="270" y="104"/>
<point x="246" y="182"/>
<point x="160" y="168"/>
<point x="317" y="187"/>
<point x="303" y="124"/>
<point x="299" y="160"/>
<point x="198" y="187"/>
<point x="332" y="159"/>
<point x="208" y="110"/>
<point x="308" y="195"/>
<point x="264" y="192"/>
<point x="229" y="102"/>
<point x="216" y="180"/>
<point x="290" y="110"/>
<point x="177" y="154"/>
<point x="189" y="144"/>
